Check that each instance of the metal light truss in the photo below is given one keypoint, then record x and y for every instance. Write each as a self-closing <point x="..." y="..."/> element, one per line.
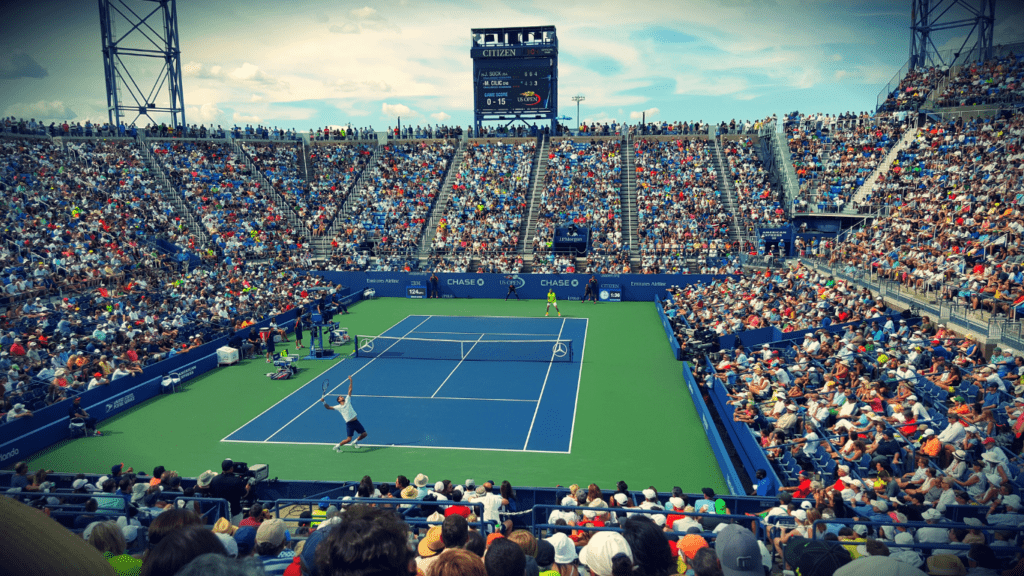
<point x="152" y="33"/>
<point x="928" y="16"/>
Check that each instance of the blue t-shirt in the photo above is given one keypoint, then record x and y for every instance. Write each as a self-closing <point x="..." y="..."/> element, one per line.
<point x="704" y="502"/>
<point x="766" y="487"/>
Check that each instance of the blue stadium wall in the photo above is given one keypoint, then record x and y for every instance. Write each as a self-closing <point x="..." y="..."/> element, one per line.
<point x="634" y="287"/>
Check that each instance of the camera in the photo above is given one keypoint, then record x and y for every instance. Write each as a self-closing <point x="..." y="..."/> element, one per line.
<point x="256" y="472"/>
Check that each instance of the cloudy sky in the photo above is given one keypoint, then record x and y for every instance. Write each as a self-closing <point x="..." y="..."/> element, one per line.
<point x="301" y="64"/>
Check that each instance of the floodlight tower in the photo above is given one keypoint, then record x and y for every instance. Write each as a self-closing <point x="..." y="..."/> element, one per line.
<point x="927" y="16"/>
<point x="134" y="30"/>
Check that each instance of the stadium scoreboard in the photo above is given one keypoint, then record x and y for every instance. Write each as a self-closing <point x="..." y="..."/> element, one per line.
<point x="504" y="86"/>
<point x="515" y="74"/>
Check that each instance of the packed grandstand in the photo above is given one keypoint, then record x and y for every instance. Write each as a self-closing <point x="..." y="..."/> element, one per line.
<point x="862" y="421"/>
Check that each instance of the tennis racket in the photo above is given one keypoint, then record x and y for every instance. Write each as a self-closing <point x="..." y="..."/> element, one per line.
<point x="326" y="385"/>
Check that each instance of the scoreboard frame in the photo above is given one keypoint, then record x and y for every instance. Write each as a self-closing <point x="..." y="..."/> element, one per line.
<point x="519" y="65"/>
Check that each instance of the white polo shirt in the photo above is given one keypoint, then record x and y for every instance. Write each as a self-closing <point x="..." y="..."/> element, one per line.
<point x="346" y="410"/>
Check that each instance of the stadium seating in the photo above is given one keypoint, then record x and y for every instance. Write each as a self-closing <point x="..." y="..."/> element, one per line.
<point x="833" y="156"/>
<point x="995" y="81"/>
<point x="760" y="202"/>
<point x="392" y="207"/>
<point x="242" y="219"/>
<point x="679" y="209"/>
<point x="581" y="187"/>
<point x="485" y="210"/>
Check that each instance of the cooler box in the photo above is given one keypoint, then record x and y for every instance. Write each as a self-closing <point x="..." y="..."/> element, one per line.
<point x="227" y="355"/>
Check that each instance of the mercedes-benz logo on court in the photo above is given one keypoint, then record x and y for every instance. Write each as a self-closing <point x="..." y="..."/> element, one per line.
<point x="560" y="349"/>
<point x="367" y="345"/>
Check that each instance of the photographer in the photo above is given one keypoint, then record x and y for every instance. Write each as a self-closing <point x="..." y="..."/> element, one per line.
<point x="231" y="487"/>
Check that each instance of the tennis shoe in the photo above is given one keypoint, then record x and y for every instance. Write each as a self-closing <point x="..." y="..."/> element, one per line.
<point x="337" y="448"/>
<point x="559" y="314"/>
<point x="545" y="313"/>
<point x="355" y="444"/>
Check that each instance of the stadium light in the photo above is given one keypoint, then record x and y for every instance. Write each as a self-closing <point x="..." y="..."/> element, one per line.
<point x="577" y="99"/>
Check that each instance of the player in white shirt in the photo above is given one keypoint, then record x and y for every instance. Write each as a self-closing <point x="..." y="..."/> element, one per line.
<point x="347" y="412"/>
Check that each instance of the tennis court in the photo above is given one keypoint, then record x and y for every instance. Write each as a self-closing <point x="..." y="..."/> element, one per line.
<point x="428" y="379"/>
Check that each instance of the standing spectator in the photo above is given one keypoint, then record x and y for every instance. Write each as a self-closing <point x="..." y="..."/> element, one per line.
<point x="230" y="487"/>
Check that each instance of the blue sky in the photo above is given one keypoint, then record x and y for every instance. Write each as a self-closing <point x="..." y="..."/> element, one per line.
<point x="300" y="64"/>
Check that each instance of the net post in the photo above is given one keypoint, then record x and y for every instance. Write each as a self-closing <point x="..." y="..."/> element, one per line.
<point x="355" y="350"/>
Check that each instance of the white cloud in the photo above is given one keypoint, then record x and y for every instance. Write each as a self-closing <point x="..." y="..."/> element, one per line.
<point x="346" y="85"/>
<point x="257" y="98"/>
<point x="195" y="69"/>
<point x="41" y="110"/>
<point x="364" y="13"/>
<point x="440" y="116"/>
<point x="650" y="112"/>
<point x="246" y="119"/>
<point x="251" y="73"/>
<point x="205" y="114"/>
<point x="347" y="28"/>
<point x="363" y="19"/>
<point x="396" y="110"/>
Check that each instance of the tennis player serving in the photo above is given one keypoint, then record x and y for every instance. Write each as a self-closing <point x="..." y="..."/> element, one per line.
<point x="552" y="299"/>
<point x="347" y="412"/>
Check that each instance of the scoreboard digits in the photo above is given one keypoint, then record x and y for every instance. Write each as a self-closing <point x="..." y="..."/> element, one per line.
<point x="514" y="86"/>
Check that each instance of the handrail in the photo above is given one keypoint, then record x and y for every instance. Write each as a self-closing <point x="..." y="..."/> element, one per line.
<point x="397" y="503"/>
<point x="642" y="511"/>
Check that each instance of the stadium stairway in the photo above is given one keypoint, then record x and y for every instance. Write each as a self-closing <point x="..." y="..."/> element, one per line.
<point x="628" y="194"/>
<point x="430" y="230"/>
<point x="307" y="164"/>
<point x="783" y="168"/>
<point x="883" y="166"/>
<point x="293" y="217"/>
<point x="322" y="247"/>
<point x="175" y="196"/>
<point x="540" y="169"/>
<point x="725" y="186"/>
<point x="359" y="185"/>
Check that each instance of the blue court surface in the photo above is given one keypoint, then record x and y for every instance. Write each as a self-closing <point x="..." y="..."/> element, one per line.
<point x="460" y="392"/>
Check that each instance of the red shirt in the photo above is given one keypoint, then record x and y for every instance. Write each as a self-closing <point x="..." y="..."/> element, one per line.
<point x="17" y="349"/>
<point x="804" y="489"/>
<point x="250" y="521"/>
<point x="458" y="509"/>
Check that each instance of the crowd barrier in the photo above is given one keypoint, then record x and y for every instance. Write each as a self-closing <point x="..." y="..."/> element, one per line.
<point x="26" y="436"/>
<point x="666" y="325"/>
<point x="732" y="479"/>
<point x="760" y="336"/>
<point x="540" y="525"/>
<point x="746" y="444"/>
<point x="635" y="287"/>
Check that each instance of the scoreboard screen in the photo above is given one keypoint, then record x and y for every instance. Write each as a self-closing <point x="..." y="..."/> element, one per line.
<point x="514" y="86"/>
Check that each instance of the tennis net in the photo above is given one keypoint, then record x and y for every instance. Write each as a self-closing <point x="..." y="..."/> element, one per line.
<point x="468" y="350"/>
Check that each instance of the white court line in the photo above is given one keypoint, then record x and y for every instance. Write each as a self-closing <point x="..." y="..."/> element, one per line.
<point x="315" y="378"/>
<point x="398" y="446"/>
<point x="456" y="367"/>
<point x="487" y="333"/>
<point x="444" y="398"/>
<point x="579" y="376"/>
<point x="542" y="386"/>
<point x="353" y="374"/>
